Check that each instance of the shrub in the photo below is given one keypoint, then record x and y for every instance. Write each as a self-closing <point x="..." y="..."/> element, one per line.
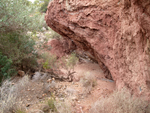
<point x="17" y="17"/>
<point x="49" y="61"/>
<point x="64" y="107"/>
<point x="57" y="106"/>
<point x="120" y="102"/>
<point x="42" y="5"/>
<point x="6" y="69"/>
<point x="51" y="104"/>
<point x="18" y="48"/>
<point x="9" y="96"/>
<point x="52" y="34"/>
<point x="69" y="63"/>
<point x="88" y="81"/>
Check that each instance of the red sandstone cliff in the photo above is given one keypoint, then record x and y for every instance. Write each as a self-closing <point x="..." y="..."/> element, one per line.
<point x="115" y="32"/>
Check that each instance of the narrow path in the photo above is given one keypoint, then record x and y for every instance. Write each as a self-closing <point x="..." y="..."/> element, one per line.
<point x="103" y="88"/>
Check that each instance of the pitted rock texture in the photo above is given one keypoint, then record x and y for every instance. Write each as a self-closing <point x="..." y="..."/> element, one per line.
<point x="61" y="47"/>
<point x="115" y="32"/>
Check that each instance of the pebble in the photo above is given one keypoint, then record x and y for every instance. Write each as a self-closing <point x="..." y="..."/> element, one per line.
<point x="61" y="99"/>
<point x="44" y="95"/>
<point x="74" y="98"/>
<point x="98" y="88"/>
<point x="28" y="89"/>
<point x="12" y="83"/>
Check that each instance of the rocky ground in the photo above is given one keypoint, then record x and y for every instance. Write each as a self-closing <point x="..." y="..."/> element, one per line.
<point x="77" y="95"/>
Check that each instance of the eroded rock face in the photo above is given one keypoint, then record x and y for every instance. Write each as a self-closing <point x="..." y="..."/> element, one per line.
<point x="61" y="47"/>
<point x="115" y="32"/>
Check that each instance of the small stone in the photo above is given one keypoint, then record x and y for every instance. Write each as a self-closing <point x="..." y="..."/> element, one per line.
<point x="98" y="88"/>
<point x="21" y="73"/>
<point x="12" y="83"/>
<point x="61" y="99"/>
<point x="44" y="95"/>
<point x="49" y="80"/>
<point x="53" y="79"/>
<point x="74" y="98"/>
<point x="27" y="105"/>
<point x="39" y="97"/>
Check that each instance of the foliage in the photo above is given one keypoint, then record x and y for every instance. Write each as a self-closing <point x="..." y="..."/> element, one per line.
<point x="70" y="62"/>
<point x="42" y="4"/>
<point x="6" y="68"/>
<point x="51" y="104"/>
<point x="17" y="17"/>
<point x="49" y="61"/>
<point x="88" y="81"/>
<point x="64" y="107"/>
<point x="57" y="106"/>
<point x="121" y="102"/>
<point x="20" y="111"/>
<point x="9" y="96"/>
<point x="52" y="35"/>
<point x="18" y="48"/>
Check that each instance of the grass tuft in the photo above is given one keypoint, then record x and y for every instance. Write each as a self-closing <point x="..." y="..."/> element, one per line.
<point x="120" y="102"/>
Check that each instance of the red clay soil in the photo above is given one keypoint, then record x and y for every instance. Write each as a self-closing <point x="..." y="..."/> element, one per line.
<point x="103" y="88"/>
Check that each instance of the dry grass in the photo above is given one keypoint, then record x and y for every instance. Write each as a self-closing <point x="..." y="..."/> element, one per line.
<point x="49" y="61"/>
<point x="120" y="102"/>
<point x="9" y="96"/>
<point x="53" y="106"/>
<point x="88" y="81"/>
<point x="64" y="107"/>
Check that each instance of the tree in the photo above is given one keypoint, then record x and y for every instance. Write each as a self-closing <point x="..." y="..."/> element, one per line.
<point x="42" y="4"/>
<point x="17" y="18"/>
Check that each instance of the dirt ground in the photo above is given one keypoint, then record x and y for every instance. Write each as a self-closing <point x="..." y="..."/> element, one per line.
<point x="33" y="96"/>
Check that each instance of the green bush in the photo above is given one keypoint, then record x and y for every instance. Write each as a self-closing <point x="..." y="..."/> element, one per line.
<point x="70" y="62"/>
<point x="49" y="61"/>
<point x="42" y="5"/>
<point x="6" y="68"/>
<point x="51" y="104"/>
<point x="19" y="48"/>
<point x="17" y="18"/>
<point x="52" y="35"/>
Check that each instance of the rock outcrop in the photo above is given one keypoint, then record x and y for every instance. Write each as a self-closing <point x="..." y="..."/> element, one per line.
<point x="115" y="32"/>
<point x="61" y="47"/>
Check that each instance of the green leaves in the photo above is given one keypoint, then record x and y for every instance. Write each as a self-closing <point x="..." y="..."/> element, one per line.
<point x="18" y="16"/>
<point x="42" y="4"/>
<point x="6" y="68"/>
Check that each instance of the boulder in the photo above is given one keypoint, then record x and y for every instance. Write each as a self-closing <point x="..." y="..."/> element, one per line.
<point x="115" y="32"/>
<point x="21" y="73"/>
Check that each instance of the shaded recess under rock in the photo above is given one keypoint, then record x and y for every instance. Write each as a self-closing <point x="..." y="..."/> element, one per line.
<point x="115" y="32"/>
